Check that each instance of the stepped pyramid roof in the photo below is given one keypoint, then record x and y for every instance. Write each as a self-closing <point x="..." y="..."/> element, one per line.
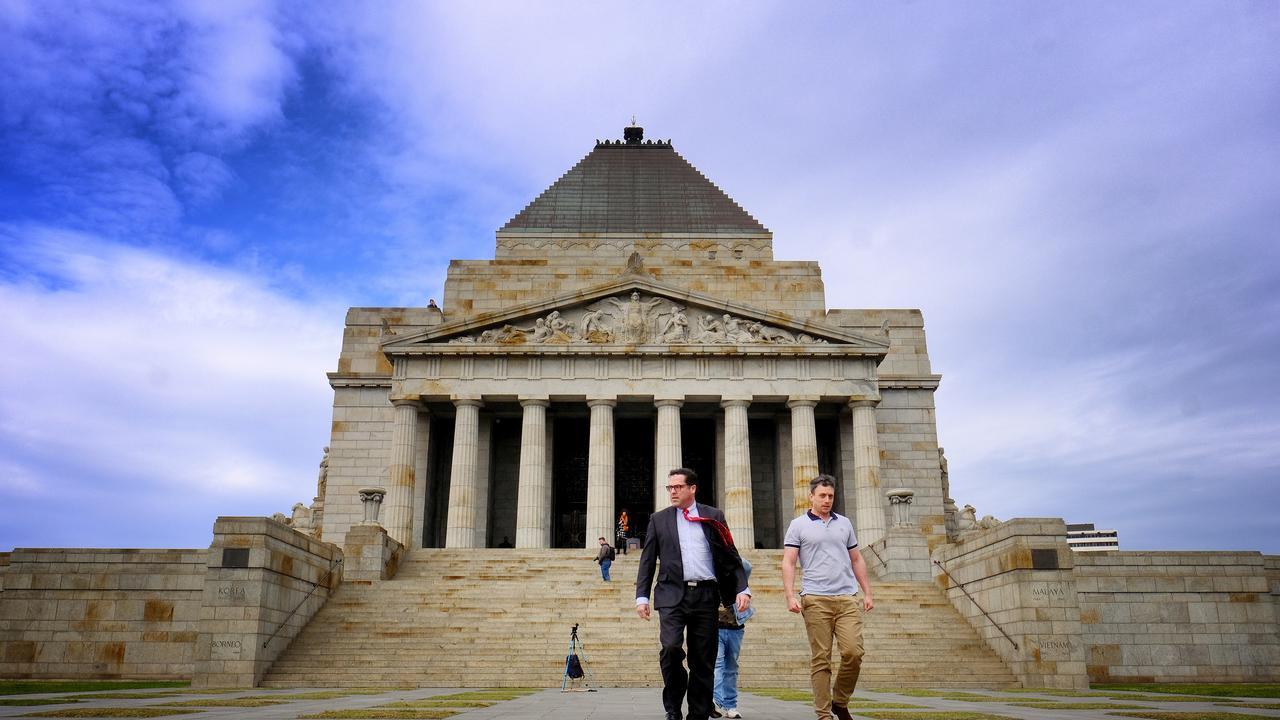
<point x="634" y="185"/>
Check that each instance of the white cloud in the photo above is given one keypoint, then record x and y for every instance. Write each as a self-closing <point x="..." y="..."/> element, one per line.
<point x="154" y="375"/>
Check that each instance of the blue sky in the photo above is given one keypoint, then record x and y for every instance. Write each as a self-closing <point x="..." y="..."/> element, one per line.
<point x="1083" y="198"/>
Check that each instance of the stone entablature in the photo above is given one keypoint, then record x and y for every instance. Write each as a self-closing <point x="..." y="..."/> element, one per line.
<point x="724" y="247"/>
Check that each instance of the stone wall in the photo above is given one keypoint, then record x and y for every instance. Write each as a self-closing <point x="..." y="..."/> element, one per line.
<point x="80" y="613"/>
<point x="263" y="583"/>
<point x="359" y="455"/>
<point x="793" y="288"/>
<point x="1020" y="574"/>
<point x="1178" y="616"/>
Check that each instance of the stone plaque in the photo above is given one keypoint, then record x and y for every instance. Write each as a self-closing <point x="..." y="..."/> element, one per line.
<point x="1044" y="559"/>
<point x="235" y="557"/>
<point x="226" y="649"/>
<point x="232" y="593"/>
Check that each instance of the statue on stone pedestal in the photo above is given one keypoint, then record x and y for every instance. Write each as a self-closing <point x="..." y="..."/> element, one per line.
<point x="301" y="520"/>
<point x="322" y="482"/>
<point x="968" y="521"/>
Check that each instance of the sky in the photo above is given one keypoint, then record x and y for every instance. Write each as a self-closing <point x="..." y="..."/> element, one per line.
<point x="1082" y="197"/>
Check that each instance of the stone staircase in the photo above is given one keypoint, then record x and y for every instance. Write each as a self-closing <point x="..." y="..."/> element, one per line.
<point x="501" y="618"/>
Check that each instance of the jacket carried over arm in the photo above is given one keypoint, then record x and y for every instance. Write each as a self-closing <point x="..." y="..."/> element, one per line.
<point x="662" y="557"/>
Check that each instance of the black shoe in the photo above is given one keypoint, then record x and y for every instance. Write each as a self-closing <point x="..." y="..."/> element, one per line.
<point x="841" y="712"/>
<point x="715" y="711"/>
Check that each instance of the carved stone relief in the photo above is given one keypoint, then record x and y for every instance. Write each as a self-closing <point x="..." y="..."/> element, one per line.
<point x="637" y="319"/>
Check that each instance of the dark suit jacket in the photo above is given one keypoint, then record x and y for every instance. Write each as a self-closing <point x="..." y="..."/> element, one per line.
<point x="662" y="548"/>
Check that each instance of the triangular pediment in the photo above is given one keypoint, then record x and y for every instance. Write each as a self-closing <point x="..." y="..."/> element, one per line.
<point x="635" y="311"/>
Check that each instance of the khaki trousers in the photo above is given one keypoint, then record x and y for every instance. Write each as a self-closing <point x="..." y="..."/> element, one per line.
<point x="827" y="617"/>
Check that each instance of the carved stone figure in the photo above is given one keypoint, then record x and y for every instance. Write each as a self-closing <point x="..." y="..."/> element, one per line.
<point x="637" y="317"/>
<point x="541" y="331"/>
<point x="968" y="521"/>
<point x="322" y="482"/>
<point x="946" y="477"/>
<point x="773" y="334"/>
<point x="712" y="329"/>
<point x="676" y="328"/>
<point x="301" y="519"/>
<point x="734" y="331"/>
<point x="594" y="328"/>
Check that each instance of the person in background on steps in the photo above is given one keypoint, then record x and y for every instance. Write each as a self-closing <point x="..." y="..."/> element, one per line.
<point x="732" y="625"/>
<point x="834" y="572"/>
<point x="690" y="550"/>
<point x="605" y="558"/>
<point x="624" y="529"/>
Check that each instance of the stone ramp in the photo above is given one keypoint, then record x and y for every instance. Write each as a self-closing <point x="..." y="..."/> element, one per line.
<point x="501" y="618"/>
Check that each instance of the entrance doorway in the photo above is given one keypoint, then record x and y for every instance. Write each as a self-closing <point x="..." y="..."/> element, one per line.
<point x="633" y="472"/>
<point x="569" y="481"/>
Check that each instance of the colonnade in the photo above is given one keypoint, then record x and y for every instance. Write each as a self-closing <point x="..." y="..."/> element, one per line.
<point x="533" y="501"/>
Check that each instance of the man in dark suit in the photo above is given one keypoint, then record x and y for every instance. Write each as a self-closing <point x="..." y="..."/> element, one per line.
<point x="698" y="569"/>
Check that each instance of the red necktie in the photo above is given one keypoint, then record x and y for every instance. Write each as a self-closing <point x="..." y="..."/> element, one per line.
<point x="721" y="529"/>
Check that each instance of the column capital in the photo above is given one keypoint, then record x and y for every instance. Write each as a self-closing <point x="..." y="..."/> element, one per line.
<point x="802" y="401"/>
<point x="601" y="402"/>
<point x="858" y="401"/>
<point x="534" y="402"/>
<point x="411" y="400"/>
<point x="669" y="402"/>
<point x="735" y="402"/>
<point x="468" y="402"/>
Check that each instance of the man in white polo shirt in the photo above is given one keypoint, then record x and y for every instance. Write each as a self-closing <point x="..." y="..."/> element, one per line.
<point x="834" y="573"/>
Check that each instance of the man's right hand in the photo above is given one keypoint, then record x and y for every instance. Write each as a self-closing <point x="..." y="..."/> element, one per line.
<point x="643" y="611"/>
<point x="793" y="603"/>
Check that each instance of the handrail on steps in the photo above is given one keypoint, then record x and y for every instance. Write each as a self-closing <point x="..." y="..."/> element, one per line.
<point x="985" y="614"/>
<point x="324" y="582"/>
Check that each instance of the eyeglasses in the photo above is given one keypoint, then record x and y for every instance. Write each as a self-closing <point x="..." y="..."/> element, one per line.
<point x="671" y="488"/>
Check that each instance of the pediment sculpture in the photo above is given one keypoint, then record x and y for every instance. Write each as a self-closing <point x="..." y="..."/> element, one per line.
<point x="639" y="319"/>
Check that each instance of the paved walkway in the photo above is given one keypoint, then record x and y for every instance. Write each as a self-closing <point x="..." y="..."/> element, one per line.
<point x="642" y="704"/>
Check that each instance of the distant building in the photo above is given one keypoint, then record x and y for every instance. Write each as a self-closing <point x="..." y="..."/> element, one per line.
<point x="1084" y="537"/>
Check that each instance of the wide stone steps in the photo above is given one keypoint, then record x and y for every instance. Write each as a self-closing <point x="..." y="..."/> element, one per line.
<point x="502" y="617"/>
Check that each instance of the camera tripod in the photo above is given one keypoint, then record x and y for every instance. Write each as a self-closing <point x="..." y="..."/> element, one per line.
<point x="577" y="655"/>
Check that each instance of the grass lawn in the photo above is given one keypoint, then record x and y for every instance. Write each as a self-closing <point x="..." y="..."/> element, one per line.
<point x="225" y="702"/>
<point x="1078" y="705"/>
<point x="321" y="694"/>
<point x="1166" y="715"/>
<point x="1256" y="690"/>
<point x="16" y="702"/>
<point x="27" y="687"/>
<point x="931" y="715"/>
<point x="380" y="713"/>
<point x="111" y="713"/>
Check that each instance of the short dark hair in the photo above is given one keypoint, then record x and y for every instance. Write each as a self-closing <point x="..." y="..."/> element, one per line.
<point x="690" y="477"/>
<point x="821" y="480"/>
<point x="601" y="539"/>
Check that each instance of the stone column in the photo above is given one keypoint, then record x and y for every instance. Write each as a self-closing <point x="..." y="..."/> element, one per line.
<point x="737" y="474"/>
<point x="667" y="454"/>
<point x="533" y="514"/>
<point x="600" y="474"/>
<point x="869" y="522"/>
<point x="804" y="450"/>
<point x="398" y="512"/>
<point x="461" y="530"/>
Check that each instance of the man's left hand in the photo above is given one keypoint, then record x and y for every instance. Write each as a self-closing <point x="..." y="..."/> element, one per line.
<point x="744" y="602"/>
<point x="867" y="604"/>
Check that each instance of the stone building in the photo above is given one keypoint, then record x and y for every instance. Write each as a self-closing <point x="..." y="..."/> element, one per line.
<point x="632" y="320"/>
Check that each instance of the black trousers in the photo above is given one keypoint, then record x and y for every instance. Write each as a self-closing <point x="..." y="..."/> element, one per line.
<point x="694" y="621"/>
